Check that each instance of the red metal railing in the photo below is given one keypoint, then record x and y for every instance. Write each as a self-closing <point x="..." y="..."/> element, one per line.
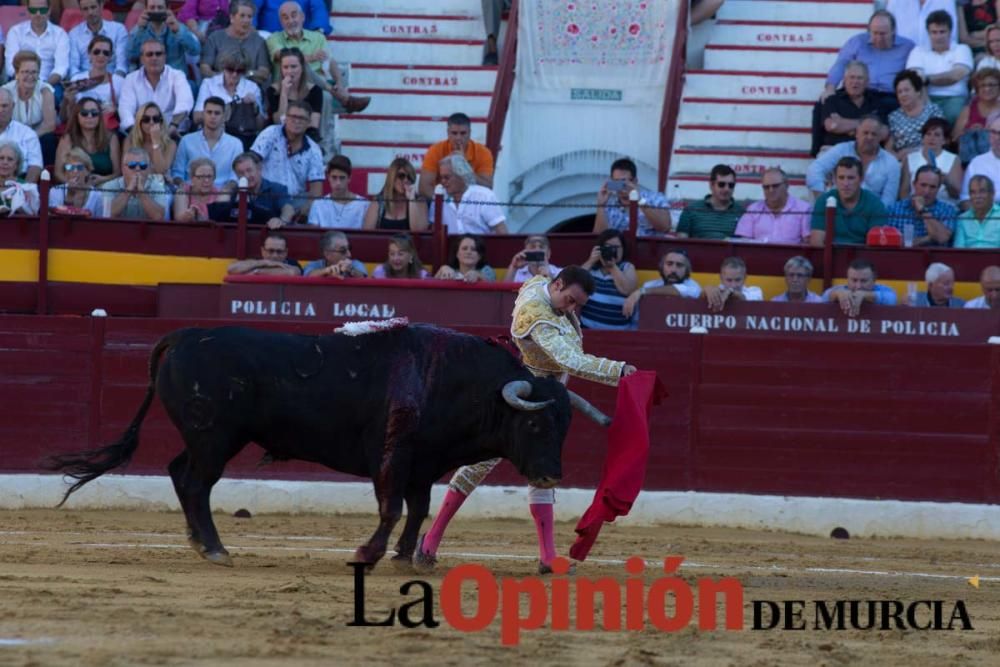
<point x="504" y="84"/>
<point x="672" y="94"/>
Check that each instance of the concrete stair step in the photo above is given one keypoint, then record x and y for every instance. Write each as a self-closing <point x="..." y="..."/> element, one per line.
<point x="406" y="77"/>
<point x="411" y="26"/>
<point x="394" y="50"/>
<point x="709" y="136"/>
<point x="787" y="33"/>
<point x="439" y="7"/>
<point x="764" y="114"/>
<point x="746" y="162"/>
<point x="769" y="58"/>
<point x="431" y="103"/>
<point x="850" y="12"/>
<point x="402" y="129"/>
<point x="378" y="155"/>
<point x="691" y="185"/>
<point x="747" y="85"/>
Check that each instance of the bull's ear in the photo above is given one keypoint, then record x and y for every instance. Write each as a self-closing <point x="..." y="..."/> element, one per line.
<point x="581" y="404"/>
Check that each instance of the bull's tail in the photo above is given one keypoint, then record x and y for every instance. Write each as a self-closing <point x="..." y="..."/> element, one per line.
<point x="89" y="465"/>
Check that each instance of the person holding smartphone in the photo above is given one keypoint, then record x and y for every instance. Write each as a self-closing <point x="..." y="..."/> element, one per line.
<point x="158" y="22"/>
<point x="532" y="261"/>
<point x="613" y="203"/>
<point x="614" y="280"/>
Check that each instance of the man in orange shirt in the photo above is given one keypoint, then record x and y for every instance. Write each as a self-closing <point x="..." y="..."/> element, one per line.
<point x="458" y="141"/>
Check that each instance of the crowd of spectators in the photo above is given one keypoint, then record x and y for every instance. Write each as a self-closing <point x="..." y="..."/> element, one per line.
<point x="161" y="122"/>
<point x="146" y="104"/>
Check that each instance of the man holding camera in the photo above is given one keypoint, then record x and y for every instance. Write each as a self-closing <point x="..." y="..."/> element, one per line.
<point x="613" y="203"/>
<point x="532" y="261"/>
<point x="159" y="23"/>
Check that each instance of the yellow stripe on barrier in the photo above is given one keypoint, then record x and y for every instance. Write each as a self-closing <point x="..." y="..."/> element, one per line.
<point x="18" y="266"/>
<point x="122" y="268"/>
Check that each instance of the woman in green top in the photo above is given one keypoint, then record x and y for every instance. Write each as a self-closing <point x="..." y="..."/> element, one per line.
<point x="86" y="130"/>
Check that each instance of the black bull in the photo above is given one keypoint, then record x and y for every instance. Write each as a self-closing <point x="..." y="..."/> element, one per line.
<point x="401" y="406"/>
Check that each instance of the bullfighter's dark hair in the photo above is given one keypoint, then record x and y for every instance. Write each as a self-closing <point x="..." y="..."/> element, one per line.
<point x="575" y="275"/>
<point x="459" y="119"/>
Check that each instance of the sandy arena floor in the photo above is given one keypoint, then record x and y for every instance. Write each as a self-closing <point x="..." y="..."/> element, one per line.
<point x="122" y="588"/>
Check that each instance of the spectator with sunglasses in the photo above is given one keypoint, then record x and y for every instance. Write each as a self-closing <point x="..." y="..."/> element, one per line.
<point x="716" y="216"/>
<point x="211" y="142"/>
<point x="154" y="82"/>
<point x="273" y="260"/>
<point x="798" y="273"/>
<point x="95" y="25"/>
<point x="933" y="220"/>
<point x="337" y="261"/>
<point x="77" y="192"/>
<point x="147" y="133"/>
<point x="396" y="206"/>
<point x="44" y="38"/>
<point x="137" y="194"/>
<point x="244" y="113"/>
<point x="86" y="132"/>
<point x="158" y="23"/>
<point x="96" y="81"/>
<point x="779" y="217"/>
<point x="239" y="37"/>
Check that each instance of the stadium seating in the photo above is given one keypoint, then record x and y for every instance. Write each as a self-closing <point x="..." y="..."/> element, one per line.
<point x="750" y="107"/>
<point x="419" y="64"/>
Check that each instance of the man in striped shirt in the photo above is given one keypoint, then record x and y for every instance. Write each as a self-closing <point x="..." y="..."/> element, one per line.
<point x="714" y="217"/>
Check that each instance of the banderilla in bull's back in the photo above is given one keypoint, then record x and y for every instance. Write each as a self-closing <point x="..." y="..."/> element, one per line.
<point x="400" y="404"/>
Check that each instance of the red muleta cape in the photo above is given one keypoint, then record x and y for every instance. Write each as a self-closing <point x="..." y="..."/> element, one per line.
<point x="625" y="466"/>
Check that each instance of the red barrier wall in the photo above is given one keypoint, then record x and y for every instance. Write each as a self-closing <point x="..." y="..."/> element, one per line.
<point x="786" y="416"/>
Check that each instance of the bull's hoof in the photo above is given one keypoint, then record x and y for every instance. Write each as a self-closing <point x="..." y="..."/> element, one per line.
<point x="218" y="558"/>
<point x="423" y="562"/>
<point x="363" y="555"/>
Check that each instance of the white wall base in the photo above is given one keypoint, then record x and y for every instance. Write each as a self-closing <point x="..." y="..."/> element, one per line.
<point x="813" y="516"/>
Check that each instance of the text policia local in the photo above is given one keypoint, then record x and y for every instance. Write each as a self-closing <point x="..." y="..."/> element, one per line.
<point x="667" y="604"/>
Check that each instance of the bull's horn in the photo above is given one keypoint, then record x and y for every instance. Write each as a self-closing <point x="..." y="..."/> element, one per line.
<point x="581" y="404"/>
<point x="515" y="392"/>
